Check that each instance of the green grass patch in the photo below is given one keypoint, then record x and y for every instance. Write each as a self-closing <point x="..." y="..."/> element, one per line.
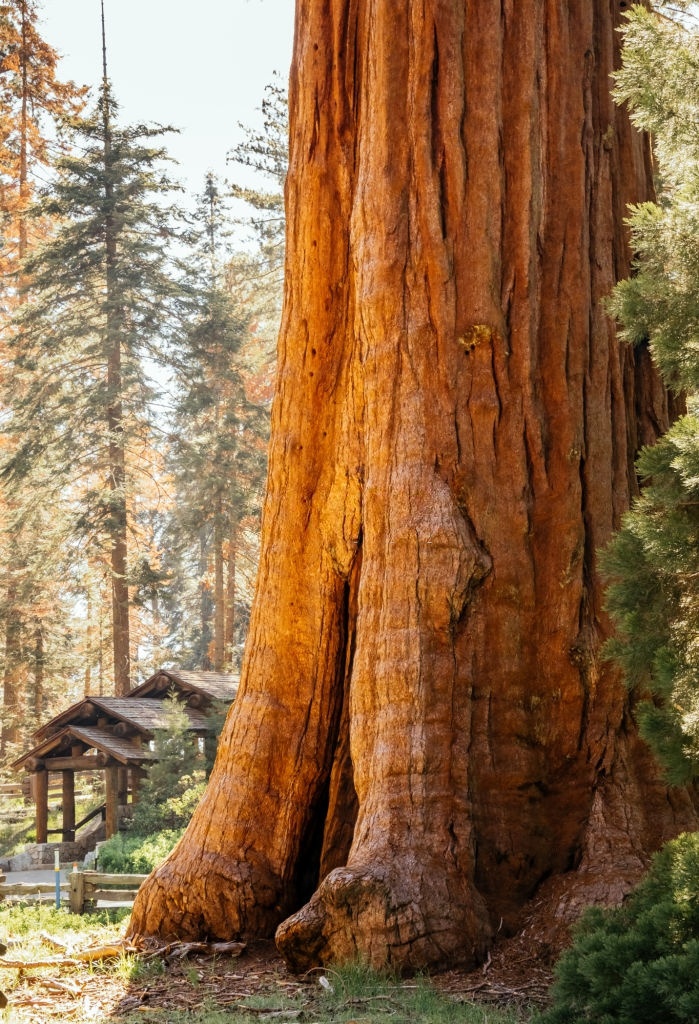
<point x="356" y="995"/>
<point x="355" y="992"/>
<point x="23" y="928"/>
<point x="17" y="826"/>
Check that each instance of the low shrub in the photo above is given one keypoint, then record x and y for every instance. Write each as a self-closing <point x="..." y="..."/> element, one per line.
<point x="638" y="964"/>
<point x="127" y="854"/>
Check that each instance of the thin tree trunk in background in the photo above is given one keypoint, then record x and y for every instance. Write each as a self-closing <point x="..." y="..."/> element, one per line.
<point x="205" y="605"/>
<point x="87" y="677"/>
<point x="13" y="675"/>
<point x="39" y="673"/>
<point x="116" y="482"/>
<point x="23" y="144"/>
<point x="219" y="590"/>
<point x="229" y="634"/>
<point x="452" y="440"/>
<point x="118" y="522"/>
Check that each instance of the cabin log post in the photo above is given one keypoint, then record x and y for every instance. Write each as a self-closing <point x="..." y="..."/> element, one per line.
<point x="123" y="786"/>
<point x="41" y="795"/>
<point x="68" y="806"/>
<point x="137" y="775"/>
<point x="111" y="779"/>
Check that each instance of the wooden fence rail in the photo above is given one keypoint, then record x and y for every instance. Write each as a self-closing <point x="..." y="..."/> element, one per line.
<point x="84" y="889"/>
<point x="89" y="887"/>
<point x="30" y="888"/>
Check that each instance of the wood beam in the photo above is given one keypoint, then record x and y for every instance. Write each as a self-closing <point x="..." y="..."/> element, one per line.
<point x="77" y="764"/>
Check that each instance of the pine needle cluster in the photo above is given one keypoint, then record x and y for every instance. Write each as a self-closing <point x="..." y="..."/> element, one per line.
<point x="638" y="964"/>
<point x="653" y="563"/>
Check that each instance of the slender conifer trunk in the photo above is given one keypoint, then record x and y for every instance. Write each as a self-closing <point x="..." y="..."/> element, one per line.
<point x="116" y="454"/>
<point x="23" y="143"/>
<point x="231" y="590"/>
<point x="219" y="589"/>
<point x="12" y="673"/>
<point x="205" y="604"/>
<point x="12" y="676"/>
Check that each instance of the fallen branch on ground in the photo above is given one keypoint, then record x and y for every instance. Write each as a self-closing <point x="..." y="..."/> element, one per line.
<point x="180" y="950"/>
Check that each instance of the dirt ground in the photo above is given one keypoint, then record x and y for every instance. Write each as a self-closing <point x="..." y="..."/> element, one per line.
<point x="512" y="976"/>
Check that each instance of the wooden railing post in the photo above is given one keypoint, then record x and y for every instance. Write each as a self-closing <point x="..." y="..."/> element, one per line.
<point x="77" y="890"/>
<point x="85" y="889"/>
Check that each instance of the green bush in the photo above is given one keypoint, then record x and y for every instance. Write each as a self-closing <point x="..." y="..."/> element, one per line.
<point x="162" y="812"/>
<point x="126" y="854"/>
<point x="638" y="964"/>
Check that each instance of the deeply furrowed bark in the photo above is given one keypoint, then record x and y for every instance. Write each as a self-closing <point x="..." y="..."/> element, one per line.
<point x="453" y="438"/>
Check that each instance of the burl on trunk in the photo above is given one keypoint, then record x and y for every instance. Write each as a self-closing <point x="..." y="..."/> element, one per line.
<point x="425" y="731"/>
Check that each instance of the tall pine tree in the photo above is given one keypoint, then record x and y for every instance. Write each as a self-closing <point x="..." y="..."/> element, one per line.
<point x="100" y="304"/>
<point x="32" y="98"/>
<point x="219" y="442"/>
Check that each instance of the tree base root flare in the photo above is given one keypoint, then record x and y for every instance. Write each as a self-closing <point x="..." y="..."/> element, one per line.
<point x="358" y="914"/>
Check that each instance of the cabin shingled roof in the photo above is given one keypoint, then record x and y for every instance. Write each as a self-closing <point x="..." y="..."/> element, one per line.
<point x="217" y="685"/>
<point x="142" y="709"/>
<point x="145" y="714"/>
<point x="118" y="747"/>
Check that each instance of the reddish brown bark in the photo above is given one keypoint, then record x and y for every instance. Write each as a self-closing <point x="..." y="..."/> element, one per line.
<point x="425" y="731"/>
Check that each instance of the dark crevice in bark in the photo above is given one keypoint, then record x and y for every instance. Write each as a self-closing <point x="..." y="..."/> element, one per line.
<point x="307" y="865"/>
<point x="343" y="806"/>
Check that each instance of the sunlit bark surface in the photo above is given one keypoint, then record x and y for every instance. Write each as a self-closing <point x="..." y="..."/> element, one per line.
<point x="425" y="731"/>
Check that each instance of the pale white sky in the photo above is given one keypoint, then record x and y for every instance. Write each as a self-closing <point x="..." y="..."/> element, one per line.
<point x="200" y="65"/>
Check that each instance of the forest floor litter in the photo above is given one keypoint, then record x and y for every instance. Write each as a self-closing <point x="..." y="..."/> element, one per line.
<point x="230" y="982"/>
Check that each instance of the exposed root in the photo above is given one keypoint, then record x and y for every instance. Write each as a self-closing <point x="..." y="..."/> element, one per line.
<point x="362" y="913"/>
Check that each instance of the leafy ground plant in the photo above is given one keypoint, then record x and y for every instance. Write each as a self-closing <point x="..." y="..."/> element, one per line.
<point x="139" y="854"/>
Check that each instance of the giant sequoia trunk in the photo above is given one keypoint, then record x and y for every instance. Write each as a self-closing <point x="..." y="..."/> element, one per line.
<point x="425" y="731"/>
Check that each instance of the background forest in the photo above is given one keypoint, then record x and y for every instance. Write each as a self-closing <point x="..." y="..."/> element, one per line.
<point x="137" y="329"/>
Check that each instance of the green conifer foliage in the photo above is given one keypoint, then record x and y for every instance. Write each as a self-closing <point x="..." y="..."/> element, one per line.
<point x="266" y="153"/>
<point x="653" y="564"/>
<point x="638" y="964"/>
